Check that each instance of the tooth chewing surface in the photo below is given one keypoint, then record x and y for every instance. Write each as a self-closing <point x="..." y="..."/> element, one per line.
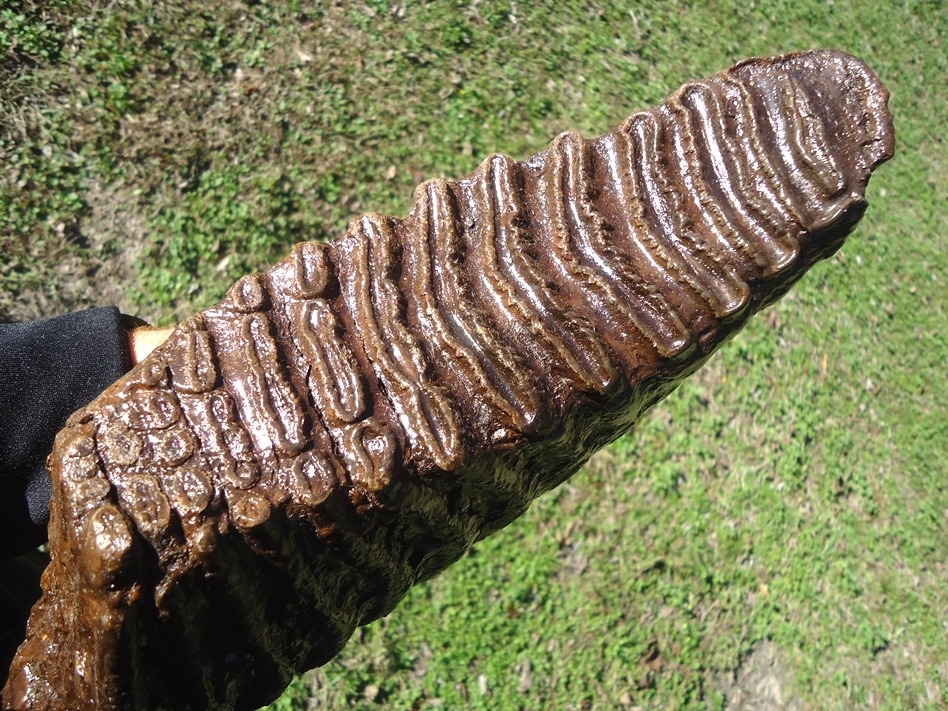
<point x="347" y="424"/>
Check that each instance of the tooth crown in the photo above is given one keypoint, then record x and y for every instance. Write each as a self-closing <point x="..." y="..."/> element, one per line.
<point x="293" y="459"/>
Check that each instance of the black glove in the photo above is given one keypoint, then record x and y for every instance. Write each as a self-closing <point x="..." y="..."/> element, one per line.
<point x="48" y="370"/>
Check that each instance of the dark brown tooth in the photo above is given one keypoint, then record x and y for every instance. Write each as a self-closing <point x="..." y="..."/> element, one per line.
<point x="464" y="352"/>
<point x="188" y="489"/>
<point x="192" y="363"/>
<point x="335" y="382"/>
<point x="119" y="446"/>
<point x="143" y="500"/>
<point x="292" y="460"/>
<point x="249" y="510"/>
<point x="252" y="366"/>
<point x="369" y="271"/>
<point x="314" y="478"/>
<point x="152" y="409"/>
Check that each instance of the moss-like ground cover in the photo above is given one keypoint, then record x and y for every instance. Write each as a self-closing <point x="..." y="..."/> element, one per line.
<point x="776" y="527"/>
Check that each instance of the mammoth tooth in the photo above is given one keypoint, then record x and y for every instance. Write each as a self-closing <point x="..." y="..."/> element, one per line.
<point x="349" y="423"/>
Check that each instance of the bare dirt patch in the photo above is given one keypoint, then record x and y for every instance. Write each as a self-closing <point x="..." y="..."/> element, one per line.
<point x="99" y="273"/>
<point x="763" y="682"/>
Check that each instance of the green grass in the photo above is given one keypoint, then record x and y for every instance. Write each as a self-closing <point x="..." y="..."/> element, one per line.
<point x="795" y="491"/>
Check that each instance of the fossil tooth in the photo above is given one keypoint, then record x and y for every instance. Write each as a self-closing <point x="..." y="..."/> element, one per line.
<point x="349" y="423"/>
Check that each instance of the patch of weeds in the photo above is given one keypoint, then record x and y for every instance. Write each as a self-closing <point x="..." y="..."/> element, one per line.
<point x="27" y="38"/>
<point x="214" y="233"/>
<point x="41" y="203"/>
